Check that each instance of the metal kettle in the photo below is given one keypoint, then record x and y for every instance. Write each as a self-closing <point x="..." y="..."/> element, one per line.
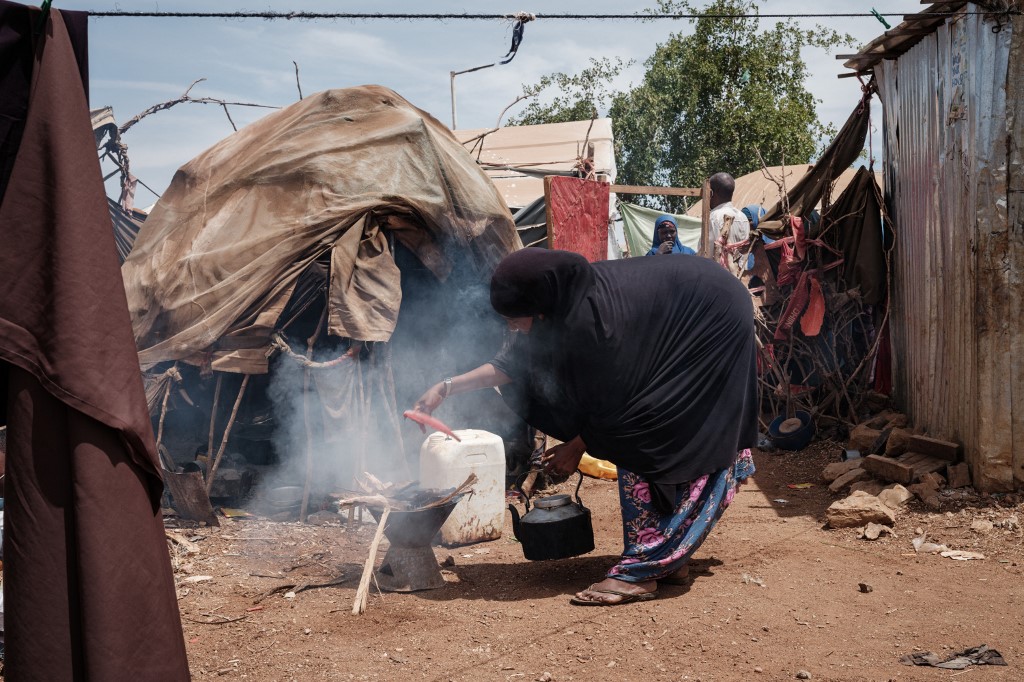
<point x="556" y="527"/>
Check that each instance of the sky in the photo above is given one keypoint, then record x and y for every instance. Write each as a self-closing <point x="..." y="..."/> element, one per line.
<point x="135" y="63"/>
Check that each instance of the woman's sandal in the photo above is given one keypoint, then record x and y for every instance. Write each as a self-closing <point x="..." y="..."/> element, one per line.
<point x="627" y="598"/>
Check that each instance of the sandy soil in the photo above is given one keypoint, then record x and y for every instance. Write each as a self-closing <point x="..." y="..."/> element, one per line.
<point x="773" y="594"/>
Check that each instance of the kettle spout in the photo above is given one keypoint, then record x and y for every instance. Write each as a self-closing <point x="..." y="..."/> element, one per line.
<point x="515" y="521"/>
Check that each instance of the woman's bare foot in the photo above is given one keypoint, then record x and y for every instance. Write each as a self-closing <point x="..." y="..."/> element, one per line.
<point x="680" y="577"/>
<point x="611" y="591"/>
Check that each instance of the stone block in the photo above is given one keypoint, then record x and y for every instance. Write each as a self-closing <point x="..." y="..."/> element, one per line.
<point x="859" y="509"/>
<point x="899" y="440"/>
<point x="958" y="475"/>
<point x="870" y="486"/>
<point x="862" y="438"/>
<point x="849" y="478"/>
<point x="837" y="469"/>
<point x="894" y="496"/>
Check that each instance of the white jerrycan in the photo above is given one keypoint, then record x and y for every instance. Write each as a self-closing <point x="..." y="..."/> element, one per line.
<point x="446" y="463"/>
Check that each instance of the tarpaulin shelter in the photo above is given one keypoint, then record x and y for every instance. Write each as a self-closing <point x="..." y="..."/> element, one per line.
<point x="345" y="222"/>
<point x="337" y="174"/>
<point x="88" y="588"/>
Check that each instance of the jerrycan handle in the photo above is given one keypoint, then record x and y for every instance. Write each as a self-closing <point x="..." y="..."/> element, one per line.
<point x="519" y="486"/>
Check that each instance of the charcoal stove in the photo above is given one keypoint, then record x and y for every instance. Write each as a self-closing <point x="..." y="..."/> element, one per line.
<point x="409" y="564"/>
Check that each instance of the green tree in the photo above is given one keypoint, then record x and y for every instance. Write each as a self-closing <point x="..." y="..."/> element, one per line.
<point x="710" y="100"/>
<point x="577" y="97"/>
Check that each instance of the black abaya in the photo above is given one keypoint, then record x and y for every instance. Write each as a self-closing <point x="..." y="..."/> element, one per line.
<point x="650" y="360"/>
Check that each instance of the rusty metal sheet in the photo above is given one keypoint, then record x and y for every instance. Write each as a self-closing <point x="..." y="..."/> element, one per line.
<point x="955" y="308"/>
<point x="577" y="216"/>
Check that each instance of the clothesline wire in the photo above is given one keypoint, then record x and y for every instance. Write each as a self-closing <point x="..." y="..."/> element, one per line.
<point x="490" y="17"/>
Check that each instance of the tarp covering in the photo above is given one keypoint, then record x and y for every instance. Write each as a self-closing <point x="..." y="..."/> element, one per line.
<point x="215" y="263"/>
<point x="853" y="227"/>
<point x="638" y="224"/>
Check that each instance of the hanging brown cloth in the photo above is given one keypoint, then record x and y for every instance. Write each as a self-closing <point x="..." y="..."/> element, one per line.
<point x="88" y="589"/>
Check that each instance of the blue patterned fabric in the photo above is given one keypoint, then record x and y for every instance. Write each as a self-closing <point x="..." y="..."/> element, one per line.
<point x="656" y="544"/>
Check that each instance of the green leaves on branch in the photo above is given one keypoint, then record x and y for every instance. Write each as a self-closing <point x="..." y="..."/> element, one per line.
<point x="576" y="98"/>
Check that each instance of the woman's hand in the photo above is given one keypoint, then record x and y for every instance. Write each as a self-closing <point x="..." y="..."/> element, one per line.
<point x="430" y="400"/>
<point x="565" y="458"/>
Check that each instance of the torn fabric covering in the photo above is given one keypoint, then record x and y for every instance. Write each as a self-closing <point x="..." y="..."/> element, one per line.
<point x="241" y="221"/>
<point x="638" y="225"/>
<point x="88" y="589"/>
<point x="857" y="235"/>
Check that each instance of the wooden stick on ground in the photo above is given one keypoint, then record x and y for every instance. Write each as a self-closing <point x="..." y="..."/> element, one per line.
<point x="227" y="432"/>
<point x="359" y="605"/>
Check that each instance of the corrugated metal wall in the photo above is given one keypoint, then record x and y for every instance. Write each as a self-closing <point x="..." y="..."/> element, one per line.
<point x="956" y="295"/>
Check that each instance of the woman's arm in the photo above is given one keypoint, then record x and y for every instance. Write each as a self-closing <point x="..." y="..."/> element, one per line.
<point x="484" y="376"/>
<point x="564" y="459"/>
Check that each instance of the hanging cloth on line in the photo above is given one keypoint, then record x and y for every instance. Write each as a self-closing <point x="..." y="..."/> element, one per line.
<point x="518" y="29"/>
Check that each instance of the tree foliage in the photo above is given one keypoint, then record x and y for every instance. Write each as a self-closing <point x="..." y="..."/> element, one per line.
<point x="577" y="97"/>
<point x="709" y="100"/>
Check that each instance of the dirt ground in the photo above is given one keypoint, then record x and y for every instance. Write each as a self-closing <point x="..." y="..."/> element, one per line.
<point x="773" y="595"/>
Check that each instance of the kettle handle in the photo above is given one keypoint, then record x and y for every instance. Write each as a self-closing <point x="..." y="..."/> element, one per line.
<point x="578" y="486"/>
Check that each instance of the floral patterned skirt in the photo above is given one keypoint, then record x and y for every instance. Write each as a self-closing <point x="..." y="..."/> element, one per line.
<point x="657" y="544"/>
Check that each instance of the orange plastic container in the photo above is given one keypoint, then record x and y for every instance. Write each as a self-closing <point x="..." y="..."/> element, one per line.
<point x="598" y="468"/>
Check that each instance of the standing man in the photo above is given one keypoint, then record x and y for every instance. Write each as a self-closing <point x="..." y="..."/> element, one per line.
<point x="666" y="237"/>
<point x="729" y="229"/>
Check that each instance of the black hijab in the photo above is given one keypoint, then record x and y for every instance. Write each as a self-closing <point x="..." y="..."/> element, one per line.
<point x="650" y="360"/>
<point x="533" y="282"/>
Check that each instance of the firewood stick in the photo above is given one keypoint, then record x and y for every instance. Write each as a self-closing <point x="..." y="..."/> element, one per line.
<point x="163" y="415"/>
<point x="227" y="432"/>
<point x="308" y="481"/>
<point x="213" y="417"/>
<point x="359" y="606"/>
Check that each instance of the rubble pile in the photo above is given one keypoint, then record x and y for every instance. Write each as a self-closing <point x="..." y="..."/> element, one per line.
<point x="887" y="463"/>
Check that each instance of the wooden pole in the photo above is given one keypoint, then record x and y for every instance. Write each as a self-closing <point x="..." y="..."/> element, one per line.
<point x="227" y="432"/>
<point x="656" y="191"/>
<point x="163" y="414"/>
<point x="705" y="220"/>
<point x="213" y="417"/>
<point x="359" y="605"/>
<point x="308" y="482"/>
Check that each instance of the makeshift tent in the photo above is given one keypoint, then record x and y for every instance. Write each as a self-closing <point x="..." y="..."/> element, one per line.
<point x="351" y="232"/>
<point x="337" y="174"/>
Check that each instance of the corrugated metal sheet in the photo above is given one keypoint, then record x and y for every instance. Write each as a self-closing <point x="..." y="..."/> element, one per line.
<point x="954" y="309"/>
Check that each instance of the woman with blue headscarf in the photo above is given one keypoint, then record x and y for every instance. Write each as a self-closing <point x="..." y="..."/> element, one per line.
<point x="666" y="237"/>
